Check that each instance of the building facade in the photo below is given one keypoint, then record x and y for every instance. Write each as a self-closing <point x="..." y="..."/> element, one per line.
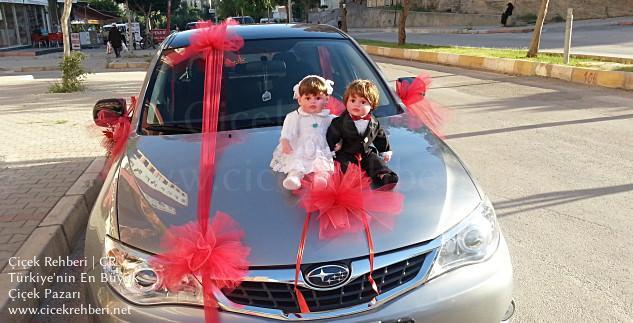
<point x="19" y="19"/>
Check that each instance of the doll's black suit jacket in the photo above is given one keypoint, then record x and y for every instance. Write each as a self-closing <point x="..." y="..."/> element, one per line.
<point x="343" y="128"/>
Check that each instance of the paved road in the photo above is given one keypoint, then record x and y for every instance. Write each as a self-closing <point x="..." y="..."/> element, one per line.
<point x="594" y="40"/>
<point x="555" y="159"/>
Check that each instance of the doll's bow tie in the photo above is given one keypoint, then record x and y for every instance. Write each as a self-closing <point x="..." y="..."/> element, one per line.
<point x="366" y="117"/>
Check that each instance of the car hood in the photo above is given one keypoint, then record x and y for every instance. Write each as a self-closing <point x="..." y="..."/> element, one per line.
<point x="158" y="189"/>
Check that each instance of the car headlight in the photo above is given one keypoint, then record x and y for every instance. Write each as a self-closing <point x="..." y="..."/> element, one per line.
<point x="129" y="272"/>
<point x="473" y="240"/>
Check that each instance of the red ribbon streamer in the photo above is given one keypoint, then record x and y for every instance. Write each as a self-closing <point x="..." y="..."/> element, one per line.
<point x="212" y="41"/>
<point x="370" y="241"/>
<point x="303" y="305"/>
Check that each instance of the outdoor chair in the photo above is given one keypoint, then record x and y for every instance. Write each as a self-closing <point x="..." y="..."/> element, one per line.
<point x="56" y="38"/>
<point x="38" y="40"/>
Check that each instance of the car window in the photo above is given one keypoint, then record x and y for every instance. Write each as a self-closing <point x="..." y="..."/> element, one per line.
<point x="257" y="82"/>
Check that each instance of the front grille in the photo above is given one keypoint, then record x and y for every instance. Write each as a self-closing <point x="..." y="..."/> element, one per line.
<point x="281" y="296"/>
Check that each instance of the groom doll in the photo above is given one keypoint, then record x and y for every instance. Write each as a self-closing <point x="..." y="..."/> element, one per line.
<point x="357" y="134"/>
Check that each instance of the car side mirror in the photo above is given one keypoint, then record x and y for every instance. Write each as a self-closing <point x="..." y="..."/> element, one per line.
<point x="107" y="111"/>
<point x="403" y="84"/>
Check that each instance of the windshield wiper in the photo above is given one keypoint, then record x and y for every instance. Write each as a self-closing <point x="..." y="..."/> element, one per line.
<point x="173" y="128"/>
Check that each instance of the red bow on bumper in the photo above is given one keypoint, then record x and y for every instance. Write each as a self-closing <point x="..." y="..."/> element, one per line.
<point x="347" y="204"/>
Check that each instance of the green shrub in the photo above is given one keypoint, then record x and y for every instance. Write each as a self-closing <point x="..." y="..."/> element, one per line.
<point x="73" y="74"/>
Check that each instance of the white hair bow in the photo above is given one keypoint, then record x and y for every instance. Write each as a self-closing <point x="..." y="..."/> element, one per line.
<point x="329" y="86"/>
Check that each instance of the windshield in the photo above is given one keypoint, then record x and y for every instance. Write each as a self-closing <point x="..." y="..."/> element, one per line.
<point x="257" y="84"/>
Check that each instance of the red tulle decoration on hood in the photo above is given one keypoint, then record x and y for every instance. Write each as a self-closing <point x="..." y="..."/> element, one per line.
<point x="346" y="200"/>
<point x="217" y="254"/>
<point x="115" y="134"/>
<point x="346" y="204"/>
<point x="426" y="112"/>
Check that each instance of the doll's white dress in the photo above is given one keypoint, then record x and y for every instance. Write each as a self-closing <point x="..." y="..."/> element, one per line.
<point x="306" y="134"/>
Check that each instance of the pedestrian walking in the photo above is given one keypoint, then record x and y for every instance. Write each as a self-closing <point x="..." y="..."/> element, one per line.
<point x="506" y="14"/>
<point x="116" y="39"/>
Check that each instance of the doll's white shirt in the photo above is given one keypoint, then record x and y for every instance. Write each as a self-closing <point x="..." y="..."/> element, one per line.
<point x="361" y="126"/>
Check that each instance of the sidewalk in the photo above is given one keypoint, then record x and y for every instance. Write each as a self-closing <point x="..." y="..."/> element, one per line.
<point x="622" y="21"/>
<point x="47" y="160"/>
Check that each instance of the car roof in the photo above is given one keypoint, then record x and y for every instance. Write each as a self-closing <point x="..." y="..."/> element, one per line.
<point x="268" y="31"/>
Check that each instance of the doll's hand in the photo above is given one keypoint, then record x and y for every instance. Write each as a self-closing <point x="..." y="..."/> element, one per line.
<point x="338" y="146"/>
<point x="386" y="156"/>
<point x="285" y="146"/>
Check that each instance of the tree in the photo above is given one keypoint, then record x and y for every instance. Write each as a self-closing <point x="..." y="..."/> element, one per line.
<point x="68" y="5"/>
<point x="107" y="6"/>
<point x="149" y="8"/>
<point x="536" y="35"/>
<point x="307" y="5"/>
<point x="402" y="33"/>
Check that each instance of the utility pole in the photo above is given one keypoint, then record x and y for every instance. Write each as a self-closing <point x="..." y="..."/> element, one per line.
<point x="568" y="26"/>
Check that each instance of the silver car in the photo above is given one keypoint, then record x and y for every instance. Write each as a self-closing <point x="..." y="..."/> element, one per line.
<point x="444" y="260"/>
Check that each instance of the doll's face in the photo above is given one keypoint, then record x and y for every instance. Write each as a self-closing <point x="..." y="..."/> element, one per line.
<point x="311" y="103"/>
<point x="357" y="106"/>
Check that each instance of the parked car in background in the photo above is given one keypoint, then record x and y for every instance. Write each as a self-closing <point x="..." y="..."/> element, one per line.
<point x="444" y="260"/>
<point x="192" y="25"/>
<point x="244" y="20"/>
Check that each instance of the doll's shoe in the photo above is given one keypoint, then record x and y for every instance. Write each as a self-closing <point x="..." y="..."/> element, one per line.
<point x="320" y="181"/>
<point x="292" y="182"/>
<point x="388" y="181"/>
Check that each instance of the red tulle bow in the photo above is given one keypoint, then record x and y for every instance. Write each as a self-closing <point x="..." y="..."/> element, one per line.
<point x="206" y="37"/>
<point x="425" y="111"/>
<point x="346" y="204"/>
<point x="115" y="135"/>
<point x="215" y="255"/>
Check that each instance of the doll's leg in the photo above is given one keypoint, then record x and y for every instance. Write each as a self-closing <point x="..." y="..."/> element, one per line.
<point x="292" y="181"/>
<point x="344" y="159"/>
<point x="377" y="169"/>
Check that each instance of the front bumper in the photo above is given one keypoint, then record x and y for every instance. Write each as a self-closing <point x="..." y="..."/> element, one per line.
<point x="474" y="293"/>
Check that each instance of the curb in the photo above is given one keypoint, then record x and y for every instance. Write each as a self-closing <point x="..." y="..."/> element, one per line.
<point x="587" y="76"/>
<point x="36" y="69"/>
<point x="626" y="23"/>
<point x="118" y="65"/>
<point x="504" y="31"/>
<point x="53" y="237"/>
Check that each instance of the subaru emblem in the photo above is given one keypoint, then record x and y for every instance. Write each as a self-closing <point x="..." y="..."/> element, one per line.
<point x="328" y="276"/>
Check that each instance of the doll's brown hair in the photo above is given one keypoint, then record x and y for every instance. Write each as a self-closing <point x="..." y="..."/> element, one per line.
<point x="363" y="88"/>
<point x="312" y="85"/>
